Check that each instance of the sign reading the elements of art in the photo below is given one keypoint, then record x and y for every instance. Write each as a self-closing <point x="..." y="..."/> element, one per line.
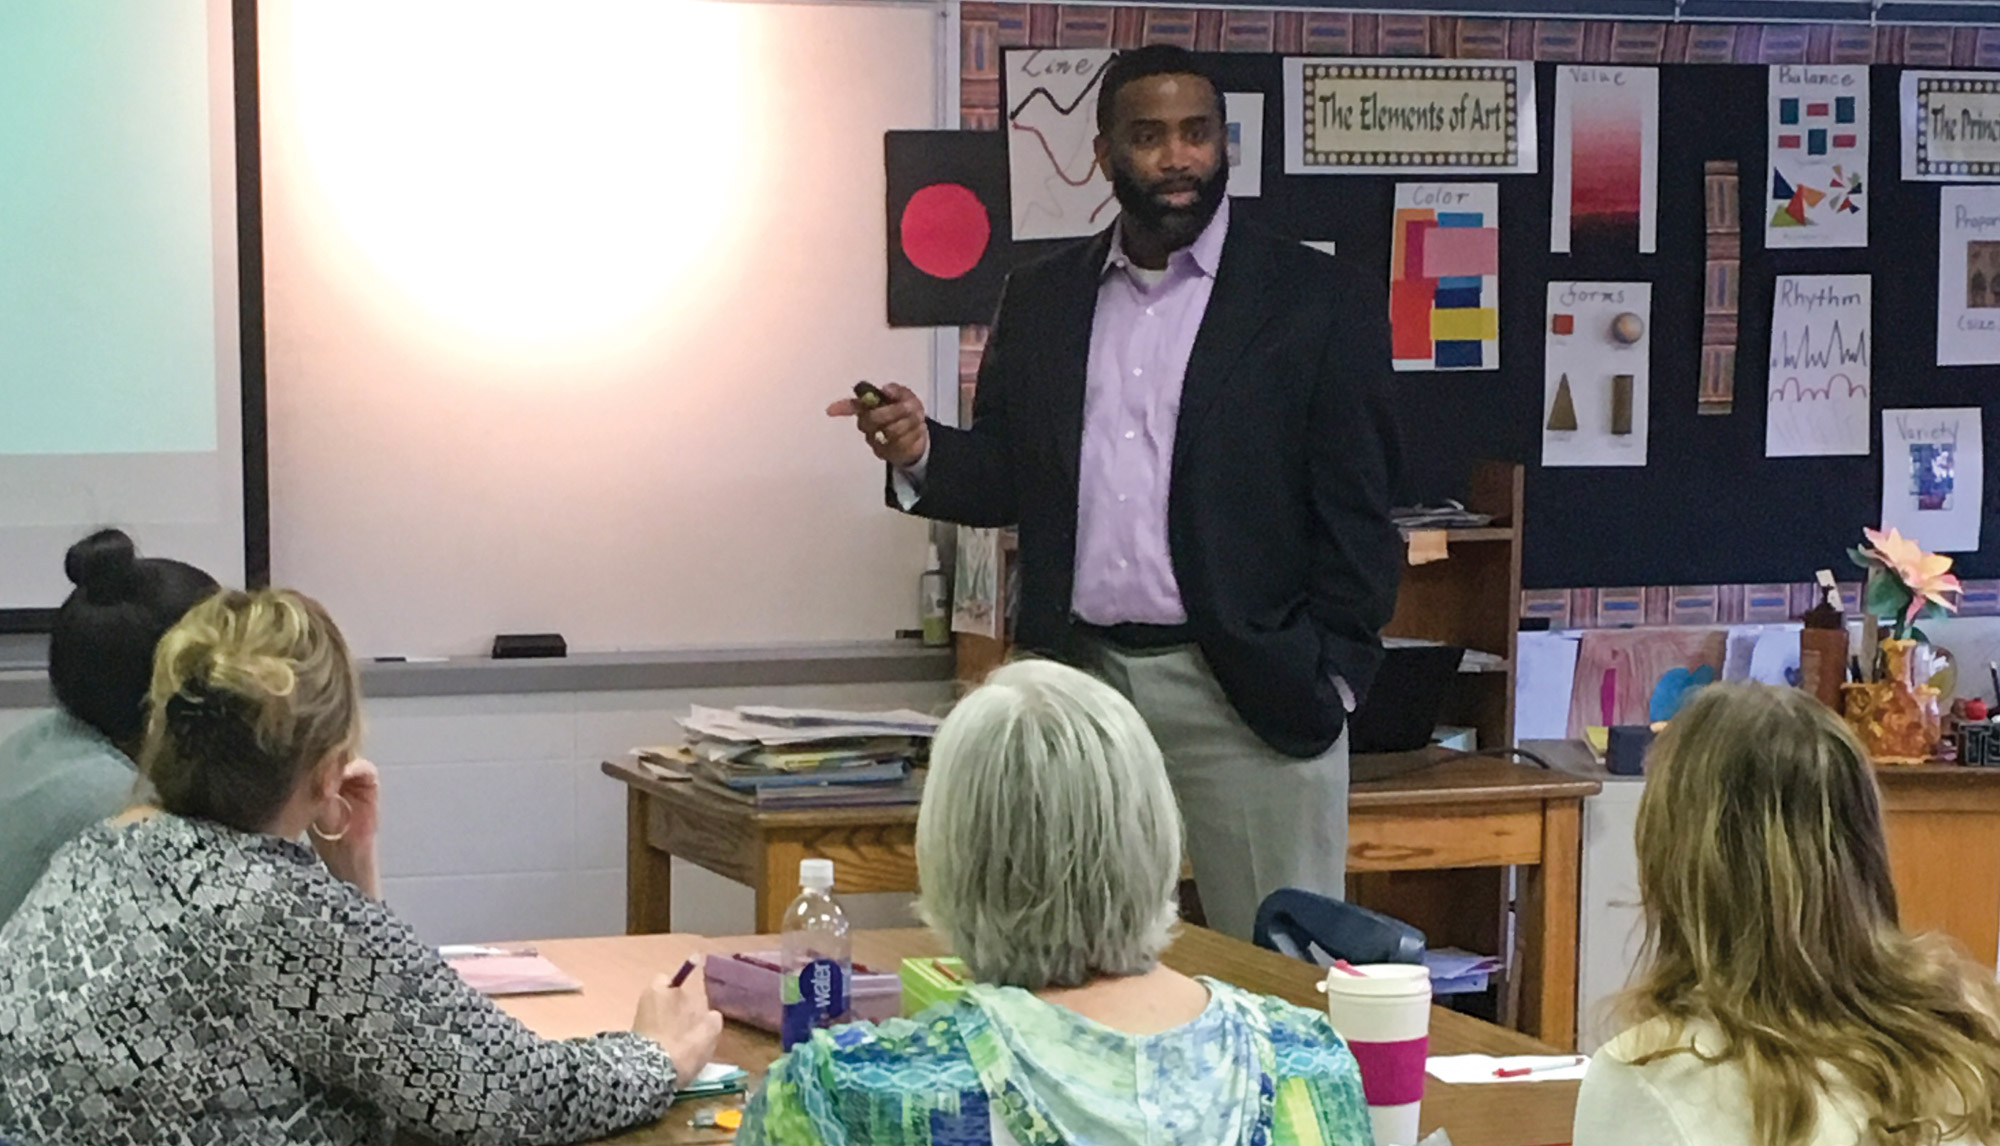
<point x="1951" y="126"/>
<point x="1346" y="116"/>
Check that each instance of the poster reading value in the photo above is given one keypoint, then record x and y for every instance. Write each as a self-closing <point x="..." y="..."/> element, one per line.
<point x="1968" y="276"/>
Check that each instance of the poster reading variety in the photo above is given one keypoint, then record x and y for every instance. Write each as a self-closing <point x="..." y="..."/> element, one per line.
<point x="1052" y="175"/>
<point x="1346" y="116"/>
<point x="1818" y="119"/>
<point x="1607" y="158"/>
<point x="1595" y="394"/>
<point x="1444" y="277"/>
<point x="1968" y="314"/>
<point x="1951" y="126"/>
<point x="1819" y="381"/>
<point x="1933" y="475"/>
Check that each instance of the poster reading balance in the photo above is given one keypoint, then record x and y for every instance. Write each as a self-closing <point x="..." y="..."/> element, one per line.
<point x="1347" y="116"/>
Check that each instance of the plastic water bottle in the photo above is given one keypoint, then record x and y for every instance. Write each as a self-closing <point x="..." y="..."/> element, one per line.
<point x="816" y="955"/>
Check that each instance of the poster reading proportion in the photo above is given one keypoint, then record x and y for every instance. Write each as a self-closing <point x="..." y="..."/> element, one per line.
<point x="1968" y="276"/>
<point x="1819" y="383"/>
<point x="1951" y="126"/>
<point x="1444" y="277"/>
<point x="1052" y="175"/>
<point x="1933" y="476"/>
<point x="1596" y="390"/>
<point x="1818" y="121"/>
<point x="1347" y="116"/>
<point x="1607" y="158"/>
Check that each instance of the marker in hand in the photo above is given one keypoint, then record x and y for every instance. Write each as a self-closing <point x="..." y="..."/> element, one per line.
<point x="681" y="975"/>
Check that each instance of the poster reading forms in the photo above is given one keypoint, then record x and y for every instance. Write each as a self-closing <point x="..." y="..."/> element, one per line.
<point x="1444" y="277"/>
<point x="1968" y="276"/>
<point x="1595" y="393"/>
<point x="1933" y="477"/>
<point x="1347" y="116"/>
<point x="1052" y="175"/>
<point x="1607" y="158"/>
<point x="1818" y="120"/>
<point x="1819" y="381"/>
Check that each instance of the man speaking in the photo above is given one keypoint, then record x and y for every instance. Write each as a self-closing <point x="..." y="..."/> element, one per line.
<point x="1184" y="417"/>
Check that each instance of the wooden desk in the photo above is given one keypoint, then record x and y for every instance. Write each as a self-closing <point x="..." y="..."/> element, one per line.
<point x="613" y="970"/>
<point x="1943" y="824"/>
<point x="1460" y="813"/>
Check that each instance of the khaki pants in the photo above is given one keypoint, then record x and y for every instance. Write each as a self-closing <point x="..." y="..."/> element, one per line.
<point x="1257" y="819"/>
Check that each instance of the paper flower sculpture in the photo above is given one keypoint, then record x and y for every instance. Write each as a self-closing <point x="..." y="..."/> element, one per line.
<point x="1905" y="585"/>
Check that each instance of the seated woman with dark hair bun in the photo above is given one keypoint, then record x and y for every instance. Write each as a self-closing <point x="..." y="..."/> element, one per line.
<point x="73" y="767"/>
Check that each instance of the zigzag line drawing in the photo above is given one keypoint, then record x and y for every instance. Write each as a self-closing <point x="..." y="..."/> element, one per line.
<point x="1835" y="352"/>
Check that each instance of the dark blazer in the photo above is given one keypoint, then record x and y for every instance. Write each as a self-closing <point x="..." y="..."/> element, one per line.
<point x="1284" y="457"/>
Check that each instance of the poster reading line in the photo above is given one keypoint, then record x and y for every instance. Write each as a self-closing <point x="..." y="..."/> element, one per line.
<point x="1052" y="175"/>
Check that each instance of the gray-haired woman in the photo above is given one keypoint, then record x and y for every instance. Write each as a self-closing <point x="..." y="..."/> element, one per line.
<point x="1049" y="847"/>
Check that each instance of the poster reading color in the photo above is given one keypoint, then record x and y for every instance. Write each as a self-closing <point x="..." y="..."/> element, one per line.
<point x="1444" y="276"/>
<point x="1968" y="276"/>
<point x="1818" y="157"/>
<point x="1933" y="477"/>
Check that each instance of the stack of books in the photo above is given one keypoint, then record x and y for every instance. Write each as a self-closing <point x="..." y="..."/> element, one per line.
<point x="804" y="757"/>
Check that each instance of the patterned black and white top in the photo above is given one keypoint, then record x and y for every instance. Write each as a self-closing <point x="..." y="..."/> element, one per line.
<point x="175" y="981"/>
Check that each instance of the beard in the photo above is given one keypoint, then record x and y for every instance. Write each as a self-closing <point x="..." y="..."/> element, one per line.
<point x="1178" y="225"/>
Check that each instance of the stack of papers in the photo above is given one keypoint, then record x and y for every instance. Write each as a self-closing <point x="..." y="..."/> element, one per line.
<point x="496" y="971"/>
<point x="715" y="1078"/>
<point x="794" y="757"/>
<point x="1455" y="972"/>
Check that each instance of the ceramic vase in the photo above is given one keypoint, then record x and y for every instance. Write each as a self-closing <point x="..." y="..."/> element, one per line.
<point x="1895" y="716"/>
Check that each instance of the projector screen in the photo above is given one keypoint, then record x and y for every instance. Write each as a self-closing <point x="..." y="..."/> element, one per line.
<point x="121" y="361"/>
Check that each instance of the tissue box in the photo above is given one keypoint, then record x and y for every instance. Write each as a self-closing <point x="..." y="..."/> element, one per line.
<point x="744" y="987"/>
<point x="928" y="982"/>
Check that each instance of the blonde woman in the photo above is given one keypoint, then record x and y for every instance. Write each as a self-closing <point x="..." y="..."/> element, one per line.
<point x="1779" y="1004"/>
<point x="198" y="975"/>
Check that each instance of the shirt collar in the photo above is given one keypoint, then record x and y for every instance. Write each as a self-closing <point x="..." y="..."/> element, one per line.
<point x="1205" y="251"/>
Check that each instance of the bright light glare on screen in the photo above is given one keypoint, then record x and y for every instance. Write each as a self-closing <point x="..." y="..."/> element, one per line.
<point x="527" y="171"/>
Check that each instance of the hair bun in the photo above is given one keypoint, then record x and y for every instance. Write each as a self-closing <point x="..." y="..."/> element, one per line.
<point x="105" y="566"/>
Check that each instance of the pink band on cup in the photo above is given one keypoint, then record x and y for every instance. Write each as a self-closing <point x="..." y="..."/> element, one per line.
<point x="1392" y="1073"/>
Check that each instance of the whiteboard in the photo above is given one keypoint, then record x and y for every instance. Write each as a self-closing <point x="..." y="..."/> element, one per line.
<point x="557" y="293"/>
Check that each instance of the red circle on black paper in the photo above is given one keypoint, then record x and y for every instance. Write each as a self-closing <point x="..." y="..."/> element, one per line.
<point x="945" y="230"/>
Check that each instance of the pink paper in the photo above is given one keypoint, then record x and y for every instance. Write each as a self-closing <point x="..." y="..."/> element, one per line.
<point x="1451" y="251"/>
<point x="513" y="975"/>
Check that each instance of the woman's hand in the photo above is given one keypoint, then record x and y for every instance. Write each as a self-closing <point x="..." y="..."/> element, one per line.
<point x="679" y="1019"/>
<point x="352" y="856"/>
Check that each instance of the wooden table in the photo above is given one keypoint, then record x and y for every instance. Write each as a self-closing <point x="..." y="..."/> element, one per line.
<point x="1459" y="813"/>
<point x="613" y="970"/>
<point x="1943" y="824"/>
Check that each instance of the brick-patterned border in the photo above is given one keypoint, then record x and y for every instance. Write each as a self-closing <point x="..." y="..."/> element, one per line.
<point x="1763" y="604"/>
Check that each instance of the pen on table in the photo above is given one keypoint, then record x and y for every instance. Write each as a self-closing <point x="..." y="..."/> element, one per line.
<point x="1524" y="1071"/>
<point x="944" y="969"/>
<point x="475" y="951"/>
<point x="681" y="975"/>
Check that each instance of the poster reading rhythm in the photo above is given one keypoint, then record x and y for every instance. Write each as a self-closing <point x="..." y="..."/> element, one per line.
<point x="1968" y="312"/>
<point x="1052" y="175"/>
<point x="1818" y="119"/>
<point x="1819" y="381"/>
<point x="1444" y="277"/>
<point x="1347" y="116"/>
<point x="1951" y="126"/>
<point x="1607" y="156"/>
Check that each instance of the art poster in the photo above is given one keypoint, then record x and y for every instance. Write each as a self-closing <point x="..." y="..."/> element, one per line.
<point x="947" y="226"/>
<point x="1637" y="676"/>
<point x="975" y="584"/>
<point x="1444" y="277"/>
<point x="1596" y="388"/>
<point x="1951" y="126"/>
<point x="1818" y="118"/>
<point x="1346" y="116"/>
<point x="1819" y="381"/>
<point x="1933" y="477"/>
<point x="1243" y="142"/>
<point x="1607" y="158"/>
<point x="1968" y="331"/>
<point x="1052" y="175"/>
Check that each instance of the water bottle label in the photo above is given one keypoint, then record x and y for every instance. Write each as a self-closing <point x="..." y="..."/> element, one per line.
<point x="814" y="996"/>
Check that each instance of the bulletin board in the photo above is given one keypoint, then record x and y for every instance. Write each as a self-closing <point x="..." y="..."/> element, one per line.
<point x="1708" y="506"/>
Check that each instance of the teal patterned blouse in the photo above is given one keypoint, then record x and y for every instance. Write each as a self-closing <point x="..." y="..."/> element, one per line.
<point x="1001" y="1067"/>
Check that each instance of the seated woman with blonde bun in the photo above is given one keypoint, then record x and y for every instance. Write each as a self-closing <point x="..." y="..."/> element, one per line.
<point x="197" y="975"/>
<point x="1049" y="848"/>
<point x="1778" y="1003"/>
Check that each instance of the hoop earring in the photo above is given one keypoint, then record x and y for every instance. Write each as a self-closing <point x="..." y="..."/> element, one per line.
<point x="345" y="823"/>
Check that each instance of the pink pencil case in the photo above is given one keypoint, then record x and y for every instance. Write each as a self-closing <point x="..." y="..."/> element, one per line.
<point x="744" y="987"/>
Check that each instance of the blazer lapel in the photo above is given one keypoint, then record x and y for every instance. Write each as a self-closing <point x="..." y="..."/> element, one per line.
<point x="1238" y="307"/>
<point x="1075" y="309"/>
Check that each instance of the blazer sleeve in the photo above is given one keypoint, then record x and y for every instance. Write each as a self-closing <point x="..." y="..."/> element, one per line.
<point x="969" y="478"/>
<point x="1355" y="463"/>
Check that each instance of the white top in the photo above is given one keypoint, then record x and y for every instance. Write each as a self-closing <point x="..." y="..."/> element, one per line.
<point x="816" y="874"/>
<point x="1681" y="1101"/>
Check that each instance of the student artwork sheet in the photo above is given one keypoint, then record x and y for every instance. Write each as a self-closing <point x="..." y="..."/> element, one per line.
<point x="1968" y="331"/>
<point x="975" y="587"/>
<point x="1819" y="381"/>
<point x="1818" y="119"/>
<point x="1444" y="276"/>
<point x="1933" y="477"/>
<point x="1599" y="344"/>
<point x="1052" y="174"/>
<point x="1244" y="142"/>
<point x="1607" y="158"/>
